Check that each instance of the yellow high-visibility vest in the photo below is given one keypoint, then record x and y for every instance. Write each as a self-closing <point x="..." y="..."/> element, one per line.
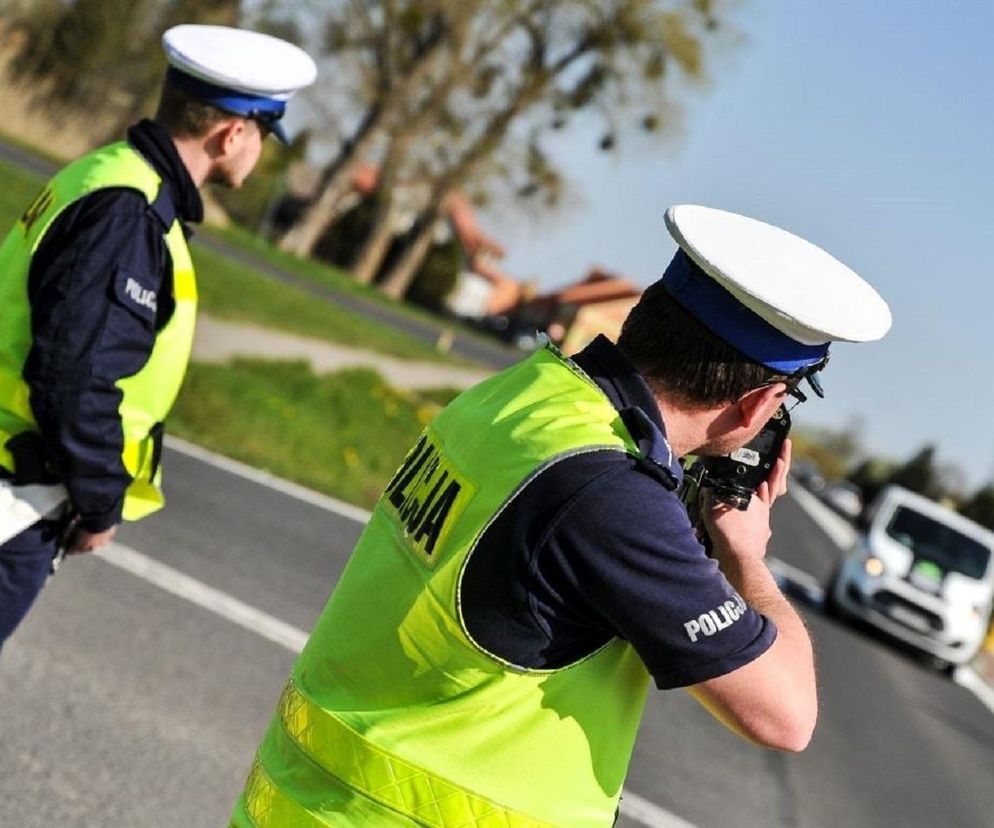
<point x="394" y="715"/>
<point x="147" y="395"/>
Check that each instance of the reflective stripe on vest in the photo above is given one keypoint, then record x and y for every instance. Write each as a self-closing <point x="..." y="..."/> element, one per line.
<point x="392" y="702"/>
<point x="148" y="395"/>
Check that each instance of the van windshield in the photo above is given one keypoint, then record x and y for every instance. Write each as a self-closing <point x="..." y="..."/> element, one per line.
<point x="939" y="543"/>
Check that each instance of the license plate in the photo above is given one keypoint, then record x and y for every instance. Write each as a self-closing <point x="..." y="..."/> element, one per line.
<point x="909" y="618"/>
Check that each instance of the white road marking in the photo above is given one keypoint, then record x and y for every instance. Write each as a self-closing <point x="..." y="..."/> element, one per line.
<point x="969" y="678"/>
<point x="784" y="571"/>
<point x="197" y="592"/>
<point x="642" y="810"/>
<point x="273" y="629"/>
<point x="835" y="526"/>
<point x="270" y="481"/>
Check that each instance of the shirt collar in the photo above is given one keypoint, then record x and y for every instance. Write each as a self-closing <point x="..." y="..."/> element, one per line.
<point x="629" y="393"/>
<point x="157" y="147"/>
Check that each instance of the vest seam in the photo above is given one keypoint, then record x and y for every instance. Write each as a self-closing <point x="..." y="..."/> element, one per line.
<point x="539" y="671"/>
<point x="560" y="516"/>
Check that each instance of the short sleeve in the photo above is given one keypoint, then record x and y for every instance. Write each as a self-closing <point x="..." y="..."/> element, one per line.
<point x="594" y="548"/>
<point x="626" y="550"/>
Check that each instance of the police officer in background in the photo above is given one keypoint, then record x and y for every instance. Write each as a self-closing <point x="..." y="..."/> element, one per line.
<point x="98" y="301"/>
<point x="484" y="658"/>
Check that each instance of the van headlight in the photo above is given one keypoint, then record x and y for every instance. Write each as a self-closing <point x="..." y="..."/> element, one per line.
<point x="967" y="614"/>
<point x="874" y="566"/>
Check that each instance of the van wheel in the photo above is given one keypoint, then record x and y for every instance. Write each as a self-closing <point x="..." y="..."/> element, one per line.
<point x="947" y="668"/>
<point x="831" y="606"/>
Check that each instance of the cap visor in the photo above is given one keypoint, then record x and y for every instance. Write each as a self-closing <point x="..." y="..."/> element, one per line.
<point x="276" y="128"/>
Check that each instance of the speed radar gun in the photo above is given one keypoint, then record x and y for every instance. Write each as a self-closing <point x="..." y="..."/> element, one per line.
<point x="733" y="478"/>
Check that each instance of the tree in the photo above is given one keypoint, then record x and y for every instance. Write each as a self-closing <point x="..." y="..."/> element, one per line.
<point x="833" y="451"/>
<point x="553" y="61"/>
<point x="871" y="475"/>
<point x="919" y="474"/>
<point x="980" y="506"/>
<point x="391" y="45"/>
<point x="455" y="95"/>
<point x="100" y="55"/>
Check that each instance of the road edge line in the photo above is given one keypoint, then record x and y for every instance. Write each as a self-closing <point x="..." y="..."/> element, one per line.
<point x="267" y="479"/>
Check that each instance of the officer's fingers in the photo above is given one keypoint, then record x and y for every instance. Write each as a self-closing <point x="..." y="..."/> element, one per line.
<point x="786" y="454"/>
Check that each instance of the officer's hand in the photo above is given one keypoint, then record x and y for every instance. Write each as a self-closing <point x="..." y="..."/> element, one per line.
<point x="744" y="535"/>
<point x="83" y="541"/>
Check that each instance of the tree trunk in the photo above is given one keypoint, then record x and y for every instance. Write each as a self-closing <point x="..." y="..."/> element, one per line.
<point x="399" y="279"/>
<point x="302" y="237"/>
<point x="377" y="243"/>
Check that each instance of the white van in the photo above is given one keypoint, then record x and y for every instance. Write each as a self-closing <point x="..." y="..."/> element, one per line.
<point x="921" y="573"/>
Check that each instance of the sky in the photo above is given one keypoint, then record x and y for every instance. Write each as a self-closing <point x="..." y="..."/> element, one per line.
<point x="865" y="127"/>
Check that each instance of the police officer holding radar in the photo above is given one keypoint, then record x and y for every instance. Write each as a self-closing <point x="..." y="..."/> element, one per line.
<point x="531" y="567"/>
<point x="98" y="299"/>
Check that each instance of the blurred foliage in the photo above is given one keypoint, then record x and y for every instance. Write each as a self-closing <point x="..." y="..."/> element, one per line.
<point x="474" y="89"/>
<point x="980" y="506"/>
<point x="871" y="475"/>
<point x="437" y="277"/>
<point x="919" y="474"/>
<point x="832" y="450"/>
<point x="101" y="55"/>
<point x="342" y="242"/>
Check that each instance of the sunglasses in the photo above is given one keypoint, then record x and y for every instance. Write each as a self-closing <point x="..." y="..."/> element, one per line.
<point x="266" y="121"/>
<point x="809" y="373"/>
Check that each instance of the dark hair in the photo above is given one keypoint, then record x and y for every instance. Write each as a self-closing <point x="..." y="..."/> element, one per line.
<point x="185" y="116"/>
<point x="680" y="357"/>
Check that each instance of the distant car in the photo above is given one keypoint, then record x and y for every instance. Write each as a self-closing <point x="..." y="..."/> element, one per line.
<point x="921" y="573"/>
<point x="808" y="475"/>
<point x="522" y="335"/>
<point x="844" y="497"/>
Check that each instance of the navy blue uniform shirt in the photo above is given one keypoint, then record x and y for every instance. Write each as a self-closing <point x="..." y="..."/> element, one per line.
<point x="599" y="546"/>
<point x="87" y="334"/>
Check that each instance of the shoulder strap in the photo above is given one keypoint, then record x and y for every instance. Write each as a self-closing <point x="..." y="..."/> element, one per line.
<point x="163" y="207"/>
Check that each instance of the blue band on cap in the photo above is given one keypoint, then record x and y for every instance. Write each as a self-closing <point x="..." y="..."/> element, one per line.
<point x="230" y="100"/>
<point x="728" y="318"/>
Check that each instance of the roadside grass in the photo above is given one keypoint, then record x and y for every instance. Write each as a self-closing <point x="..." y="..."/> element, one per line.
<point x="230" y="290"/>
<point x="339" y="280"/>
<point x="17" y="188"/>
<point x="343" y="434"/>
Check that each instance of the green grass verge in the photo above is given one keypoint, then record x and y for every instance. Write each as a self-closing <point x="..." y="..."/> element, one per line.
<point x="230" y="290"/>
<point x="343" y="434"/>
<point x="337" y="279"/>
<point x="17" y="190"/>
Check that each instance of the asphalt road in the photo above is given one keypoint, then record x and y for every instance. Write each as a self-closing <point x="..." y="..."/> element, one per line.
<point x="124" y="704"/>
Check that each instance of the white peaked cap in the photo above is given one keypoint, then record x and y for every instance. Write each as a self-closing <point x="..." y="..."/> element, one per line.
<point x="239" y="60"/>
<point x="791" y="284"/>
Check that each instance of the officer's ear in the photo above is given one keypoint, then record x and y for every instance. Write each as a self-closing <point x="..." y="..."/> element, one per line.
<point x="755" y="407"/>
<point x="226" y="138"/>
